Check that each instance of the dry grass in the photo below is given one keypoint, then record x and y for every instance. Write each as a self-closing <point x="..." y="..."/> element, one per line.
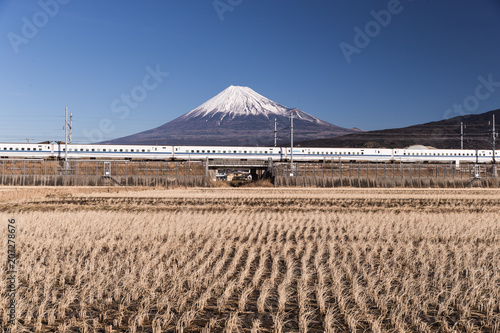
<point x="255" y="260"/>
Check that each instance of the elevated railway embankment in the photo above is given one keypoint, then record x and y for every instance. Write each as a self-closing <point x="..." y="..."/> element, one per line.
<point x="32" y="172"/>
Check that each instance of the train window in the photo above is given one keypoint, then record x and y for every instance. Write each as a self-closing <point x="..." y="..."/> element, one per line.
<point x="197" y="151"/>
<point x="245" y="151"/>
<point x="121" y="149"/>
<point x="40" y="149"/>
<point x="362" y="153"/>
<point x="235" y="151"/>
<point x="131" y="150"/>
<point x="224" y="151"/>
<point x="202" y="151"/>
<point x="29" y="148"/>
<point x="265" y="152"/>
<point x="126" y="150"/>
<point x="213" y="151"/>
<point x="149" y="150"/>
<point x="163" y="147"/>
<point x="86" y="149"/>
<point x="22" y="148"/>
<point x="81" y="149"/>
<point x="143" y="150"/>
<point x="10" y="148"/>
<point x="218" y="151"/>
<point x="93" y="149"/>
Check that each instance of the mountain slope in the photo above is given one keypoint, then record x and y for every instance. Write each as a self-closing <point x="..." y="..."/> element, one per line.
<point x="236" y="116"/>
<point x="439" y="134"/>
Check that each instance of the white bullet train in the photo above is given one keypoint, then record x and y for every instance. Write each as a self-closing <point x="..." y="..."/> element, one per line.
<point x="144" y="152"/>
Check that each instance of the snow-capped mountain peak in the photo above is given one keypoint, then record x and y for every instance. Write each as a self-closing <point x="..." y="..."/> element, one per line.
<point x="237" y="101"/>
<point x="236" y="116"/>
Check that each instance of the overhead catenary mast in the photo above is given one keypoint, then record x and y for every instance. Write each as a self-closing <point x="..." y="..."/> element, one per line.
<point x="68" y="133"/>
<point x="291" y="139"/>
<point x="71" y="127"/>
<point x="275" y="131"/>
<point x="461" y="135"/>
<point x="494" y="137"/>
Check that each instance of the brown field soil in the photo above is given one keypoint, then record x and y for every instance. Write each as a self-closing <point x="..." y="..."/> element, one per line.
<point x="253" y="259"/>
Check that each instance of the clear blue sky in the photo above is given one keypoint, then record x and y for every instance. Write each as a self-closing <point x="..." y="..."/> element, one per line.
<point x="418" y="63"/>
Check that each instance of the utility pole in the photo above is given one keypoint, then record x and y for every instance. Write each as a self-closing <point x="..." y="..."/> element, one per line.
<point x="461" y="135"/>
<point x="66" y="134"/>
<point x="71" y="127"/>
<point x="275" y="131"/>
<point x="291" y="137"/>
<point x="494" y="137"/>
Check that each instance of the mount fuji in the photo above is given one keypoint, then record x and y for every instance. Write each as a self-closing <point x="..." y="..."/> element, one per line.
<point x="238" y="116"/>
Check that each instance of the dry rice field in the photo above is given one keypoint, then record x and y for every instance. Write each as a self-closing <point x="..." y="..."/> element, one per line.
<point x="253" y="260"/>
